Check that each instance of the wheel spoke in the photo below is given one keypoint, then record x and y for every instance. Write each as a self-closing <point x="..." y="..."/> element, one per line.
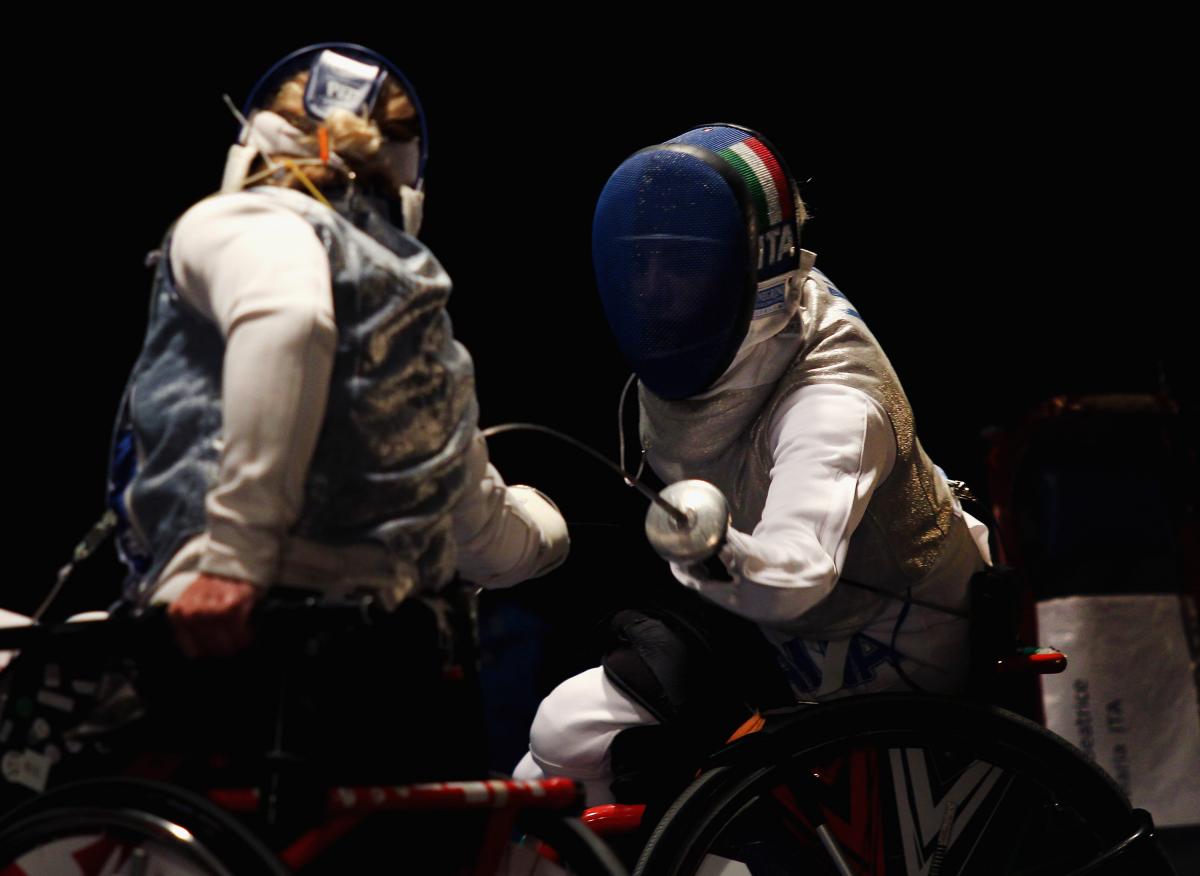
<point x="908" y="785"/>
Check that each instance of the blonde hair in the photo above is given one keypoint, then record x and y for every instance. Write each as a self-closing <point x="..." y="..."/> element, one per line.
<point x="355" y="138"/>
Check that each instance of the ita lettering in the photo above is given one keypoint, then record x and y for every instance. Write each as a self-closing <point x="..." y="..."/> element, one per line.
<point x="775" y="244"/>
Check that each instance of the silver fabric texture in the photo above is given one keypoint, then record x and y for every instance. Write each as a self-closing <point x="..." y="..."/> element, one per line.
<point x="390" y="460"/>
<point x="724" y="438"/>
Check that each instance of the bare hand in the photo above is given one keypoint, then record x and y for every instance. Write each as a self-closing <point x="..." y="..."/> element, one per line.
<point x="211" y="618"/>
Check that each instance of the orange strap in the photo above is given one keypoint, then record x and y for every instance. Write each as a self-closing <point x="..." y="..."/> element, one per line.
<point x="323" y="143"/>
<point x="751" y="725"/>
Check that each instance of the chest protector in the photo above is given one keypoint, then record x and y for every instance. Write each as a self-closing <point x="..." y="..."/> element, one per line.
<point x="389" y="462"/>
<point x="910" y="523"/>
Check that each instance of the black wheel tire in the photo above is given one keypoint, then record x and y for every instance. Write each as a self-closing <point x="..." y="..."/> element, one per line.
<point x="580" y="850"/>
<point x="1043" y="764"/>
<point x="176" y="820"/>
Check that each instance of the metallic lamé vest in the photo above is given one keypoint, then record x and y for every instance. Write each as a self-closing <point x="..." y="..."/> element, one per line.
<point x="389" y="462"/>
<point x="910" y="521"/>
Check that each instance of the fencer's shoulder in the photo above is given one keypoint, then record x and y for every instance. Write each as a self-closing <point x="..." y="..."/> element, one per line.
<point x="817" y="405"/>
<point x="821" y="280"/>
<point x="232" y="215"/>
<point x="277" y="207"/>
<point x="245" y="232"/>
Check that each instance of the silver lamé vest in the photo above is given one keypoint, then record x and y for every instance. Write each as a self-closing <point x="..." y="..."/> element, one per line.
<point x="910" y="524"/>
<point x="389" y="462"/>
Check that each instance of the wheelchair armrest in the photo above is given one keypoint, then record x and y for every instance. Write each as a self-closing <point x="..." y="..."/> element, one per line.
<point x="87" y="633"/>
<point x="1033" y="660"/>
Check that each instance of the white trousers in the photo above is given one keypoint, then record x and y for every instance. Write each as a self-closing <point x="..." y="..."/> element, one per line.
<point x="573" y="731"/>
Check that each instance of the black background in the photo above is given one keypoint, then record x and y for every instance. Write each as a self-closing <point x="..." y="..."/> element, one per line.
<point x="996" y="198"/>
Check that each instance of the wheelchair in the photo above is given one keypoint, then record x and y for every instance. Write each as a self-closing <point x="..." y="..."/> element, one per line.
<point x="882" y="784"/>
<point x="900" y="783"/>
<point x="188" y="804"/>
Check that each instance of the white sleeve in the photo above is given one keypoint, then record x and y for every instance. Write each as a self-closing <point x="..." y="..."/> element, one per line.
<point x="504" y="534"/>
<point x="831" y="447"/>
<point x="259" y="272"/>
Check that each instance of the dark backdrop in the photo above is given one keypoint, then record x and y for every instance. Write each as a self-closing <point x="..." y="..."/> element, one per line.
<point x="996" y="211"/>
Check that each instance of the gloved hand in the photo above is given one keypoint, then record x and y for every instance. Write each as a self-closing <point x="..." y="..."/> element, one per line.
<point x="505" y="534"/>
<point x="551" y="527"/>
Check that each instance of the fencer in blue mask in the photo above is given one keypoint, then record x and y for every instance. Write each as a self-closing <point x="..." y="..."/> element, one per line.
<point x="758" y="375"/>
<point x="301" y="415"/>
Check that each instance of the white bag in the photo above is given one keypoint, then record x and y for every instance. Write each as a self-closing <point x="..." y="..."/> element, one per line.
<point x="1128" y="697"/>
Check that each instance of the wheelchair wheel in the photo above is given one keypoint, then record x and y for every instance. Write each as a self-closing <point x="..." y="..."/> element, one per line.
<point x="127" y="826"/>
<point x="578" y="851"/>
<point x="904" y="785"/>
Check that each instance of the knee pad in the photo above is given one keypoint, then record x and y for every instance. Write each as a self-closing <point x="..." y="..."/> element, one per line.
<point x="655" y="664"/>
<point x="700" y="676"/>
